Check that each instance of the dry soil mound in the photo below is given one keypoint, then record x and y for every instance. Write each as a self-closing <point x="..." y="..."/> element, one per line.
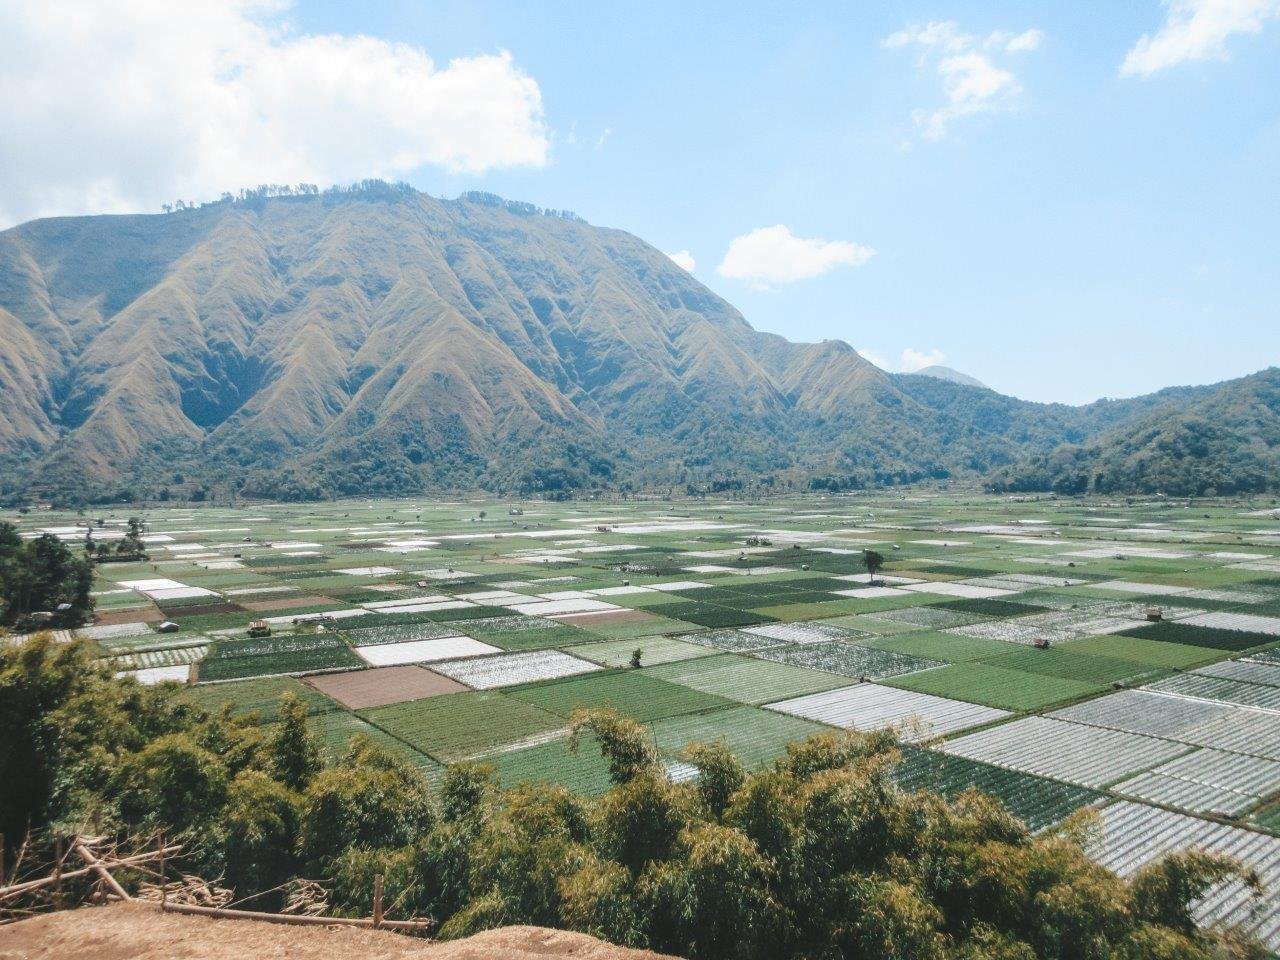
<point x="139" y="932"/>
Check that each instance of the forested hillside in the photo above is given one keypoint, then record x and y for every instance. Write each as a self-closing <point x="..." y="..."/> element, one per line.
<point x="1225" y="440"/>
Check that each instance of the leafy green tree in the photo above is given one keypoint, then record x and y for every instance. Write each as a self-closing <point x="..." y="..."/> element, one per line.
<point x="467" y="791"/>
<point x="295" y="748"/>
<point x="711" y="901"/>
<point x="600" y="898"/>
<point x="639" y="821"/>
<point x="819" y="856"/>
<point x="373" y="798"/>
<point x="720" y="774"/>
<point x="172" y="782"/>
<point x="874" y="563"/>
<point x="131" y="545"/>
<point x="41" y="575"/>
<point x="622" y="741"/>
<point x="1163" y="890"/>
<point x="535" y="839"/>
<point x="259" y="829"/>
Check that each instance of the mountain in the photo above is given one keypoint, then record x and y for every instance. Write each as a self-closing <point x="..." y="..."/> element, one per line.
<point x="946" y="373"/>
<point x="379" y="340"/>
<point x="1221" y="440"/>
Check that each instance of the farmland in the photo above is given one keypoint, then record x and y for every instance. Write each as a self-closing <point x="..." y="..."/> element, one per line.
<point x="1010" y="641"/>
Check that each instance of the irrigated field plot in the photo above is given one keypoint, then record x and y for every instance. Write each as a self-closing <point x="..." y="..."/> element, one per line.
<point x="633" y="693"/>
<point x="464" y="724"/>
<point x="746" y="679"/>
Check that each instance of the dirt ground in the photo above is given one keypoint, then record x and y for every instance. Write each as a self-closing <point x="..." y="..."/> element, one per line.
<point x="141" y="932"/>
<point x="129" y="615"/>
<point x="359" y="689"/>
<point x="284" y="603"/>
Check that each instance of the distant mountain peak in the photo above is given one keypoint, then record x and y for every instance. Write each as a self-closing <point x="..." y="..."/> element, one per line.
<point x="939" y="372"/>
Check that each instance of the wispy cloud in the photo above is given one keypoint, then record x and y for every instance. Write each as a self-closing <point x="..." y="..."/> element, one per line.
<point x="973" y="82"/>
<point x="1196" y="30"/>
<point x="769" y="256"/>
<point x="909" y="361"/>
<point x="684" y="260"/>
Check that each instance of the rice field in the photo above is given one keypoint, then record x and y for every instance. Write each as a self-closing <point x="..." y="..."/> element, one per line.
<point x="1052" y="653"/>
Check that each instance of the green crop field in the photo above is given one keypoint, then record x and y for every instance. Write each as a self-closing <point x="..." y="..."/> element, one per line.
<point x="756" y="736"/>
<point x="996" y="687"/>
<point x="636" y="694"/>
<point x="464" y="724"/>
<point x="746" y="679"/>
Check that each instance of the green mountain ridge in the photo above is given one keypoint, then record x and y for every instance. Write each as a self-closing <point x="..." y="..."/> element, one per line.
<point x="381" y="340"/>
<point x="1224" y="440"/>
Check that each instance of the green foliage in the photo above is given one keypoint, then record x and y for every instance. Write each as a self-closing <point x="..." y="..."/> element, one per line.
<point x="1162" y="890"/>
<point x="714" y="899"/>
<point x="599" y="898"/>
<point x="40" y="575"/>
<point x="873" y="561"/>
<point x="374" y="798"/>
<point x="622" y="741"/>
<point x="172" y="781"/>
<point x="720" y="774"/>
<point x="1223" y="444"/>
<point x="294" y="747"/>
<point x="67" y="723"/>
<point x="258" y="828"/>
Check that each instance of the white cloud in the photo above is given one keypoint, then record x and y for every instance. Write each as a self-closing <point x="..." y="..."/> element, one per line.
<point x="909" y="361"/>
<point x="1023" y="42"/>
<point x="913" y="360"/>
<point x="769" y="256"/>
<point x="112" y="105"/>
<point x="879" y="360"/>
<point x="1196" y="30"/>
<point x="684" y="260"/>
<point x="972" y="82"/>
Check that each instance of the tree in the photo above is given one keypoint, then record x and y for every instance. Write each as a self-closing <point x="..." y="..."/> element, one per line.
<point x="820" y="854"/>
<point x="622" y="742"/>
<point x="295" y="750"/>
<point x="131" y="544"/>
<point x="172" y="782"/>
<point x="259" y="830"/>
<point x="41" y="575"/>
<point x="874" y="562"/>
<point x="720" y="774"/>
<point x="374" y="798"/>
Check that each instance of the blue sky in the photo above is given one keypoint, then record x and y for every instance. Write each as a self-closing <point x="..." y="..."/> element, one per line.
<point x="1048" y="221"/>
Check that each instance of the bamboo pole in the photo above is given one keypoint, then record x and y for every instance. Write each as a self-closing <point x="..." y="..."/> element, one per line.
<point x="57" y="873"/>
<point x="99" y="869"/>
<point x="164" y="884"/>
<point x="419" y="926"/>
<point x="138" y="858"/>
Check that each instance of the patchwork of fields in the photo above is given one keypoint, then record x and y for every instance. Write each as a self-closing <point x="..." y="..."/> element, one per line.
<point x="470" y="630"/>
